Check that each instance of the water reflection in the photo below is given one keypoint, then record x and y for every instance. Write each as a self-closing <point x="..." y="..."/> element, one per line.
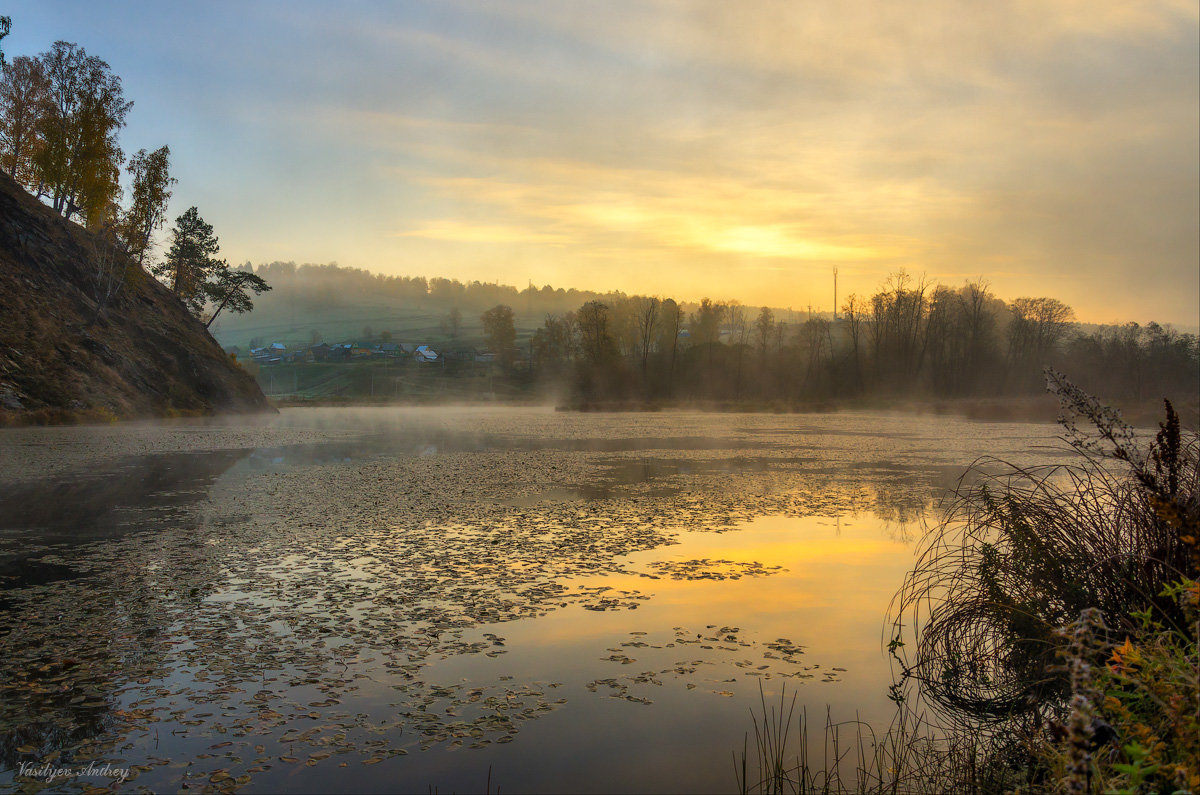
<point x="403" y="589"/>
<point x="90" y="504"/>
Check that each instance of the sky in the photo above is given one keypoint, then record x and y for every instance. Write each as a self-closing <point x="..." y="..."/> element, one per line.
<point x="735" y="150"/>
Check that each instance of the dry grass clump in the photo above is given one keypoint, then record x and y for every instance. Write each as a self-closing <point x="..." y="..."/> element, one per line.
<point x="1049" y="626"/>
<point x="1024" y="552"/>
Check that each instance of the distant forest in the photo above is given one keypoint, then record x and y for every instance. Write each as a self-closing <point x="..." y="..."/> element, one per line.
<point x="913" y="338"/>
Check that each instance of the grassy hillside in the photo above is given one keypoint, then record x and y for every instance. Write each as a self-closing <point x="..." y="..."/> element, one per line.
<point x="336" y="304"/>
<point x="67" y="352"/>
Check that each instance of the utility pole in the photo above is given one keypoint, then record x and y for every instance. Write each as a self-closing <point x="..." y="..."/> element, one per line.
<point x="835" y="293"/>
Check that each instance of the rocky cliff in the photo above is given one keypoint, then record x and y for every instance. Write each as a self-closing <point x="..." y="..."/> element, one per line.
<point x="62" y="359"/>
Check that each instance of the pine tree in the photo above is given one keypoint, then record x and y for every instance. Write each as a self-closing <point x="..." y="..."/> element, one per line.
<point x="191" y="261"/>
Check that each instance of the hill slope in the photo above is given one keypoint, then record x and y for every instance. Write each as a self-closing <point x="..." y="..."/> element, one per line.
<point x="145" y="356"/>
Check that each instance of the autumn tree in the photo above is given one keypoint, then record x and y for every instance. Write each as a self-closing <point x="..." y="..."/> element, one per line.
<point x="149" y="194"/>
<point x="5" y="27"/>
<point x="123" y="242"/>
<point x="23" y="99"/>
<point x="78" y="162"/>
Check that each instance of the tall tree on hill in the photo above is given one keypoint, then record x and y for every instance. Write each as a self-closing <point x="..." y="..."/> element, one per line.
<point x="122" y="243"/>
<point x="5" y="27"/>
<point x="151" y="191"/>
<point x="191" y="261"/>
<point x="230" y="289"/>
<point x="78" y="162"/>
<point x="23" y="89"/>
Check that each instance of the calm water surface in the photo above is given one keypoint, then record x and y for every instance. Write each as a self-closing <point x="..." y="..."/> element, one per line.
<point x="405" y="599"/>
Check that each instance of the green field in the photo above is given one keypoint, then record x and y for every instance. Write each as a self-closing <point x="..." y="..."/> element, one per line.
<point x="386" y="380"/>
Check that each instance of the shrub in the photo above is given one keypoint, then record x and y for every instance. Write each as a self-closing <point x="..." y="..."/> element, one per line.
<point x="1024" y="552"/>
<point x="1134" y="722"/>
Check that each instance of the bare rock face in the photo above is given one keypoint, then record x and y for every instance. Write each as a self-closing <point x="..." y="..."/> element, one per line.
<point x="62" y="358"/>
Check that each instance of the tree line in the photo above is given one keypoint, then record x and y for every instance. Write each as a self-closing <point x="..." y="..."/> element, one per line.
<point x="313" y="288"/>
<point x="61" y="113"/>
<point x="911" y="338"/>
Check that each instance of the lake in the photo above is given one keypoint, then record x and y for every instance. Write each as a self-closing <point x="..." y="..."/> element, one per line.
<point x="404" y="599"/>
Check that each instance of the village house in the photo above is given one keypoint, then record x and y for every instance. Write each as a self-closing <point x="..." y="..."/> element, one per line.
<point x="424" y="353"/>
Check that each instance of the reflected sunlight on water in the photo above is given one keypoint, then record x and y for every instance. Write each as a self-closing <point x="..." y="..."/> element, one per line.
<point x="406" y="598"/>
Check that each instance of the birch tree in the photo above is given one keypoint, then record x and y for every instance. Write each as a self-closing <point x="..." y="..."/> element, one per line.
<point x="149" y="194"/>
<point x="78" y="162"/>
<point x="23" y="98"/>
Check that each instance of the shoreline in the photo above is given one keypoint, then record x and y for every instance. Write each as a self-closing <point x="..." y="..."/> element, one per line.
<point x="1042" y="408"/>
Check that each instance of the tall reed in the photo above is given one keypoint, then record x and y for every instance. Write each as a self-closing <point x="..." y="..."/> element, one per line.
<point x="1024" y="551"/>
<point x="1017" y="599"/>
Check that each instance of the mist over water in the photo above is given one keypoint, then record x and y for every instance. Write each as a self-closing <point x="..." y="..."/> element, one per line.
<point x="403" y="598"/>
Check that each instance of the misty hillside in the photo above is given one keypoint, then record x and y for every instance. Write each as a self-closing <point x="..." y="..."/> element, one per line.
<point x="335" y="303"/>
<point x="62" y="358"/>
<point x="913" y="339"/>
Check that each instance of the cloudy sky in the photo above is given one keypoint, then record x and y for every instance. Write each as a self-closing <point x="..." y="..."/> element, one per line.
<point x="737" y="150"/>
